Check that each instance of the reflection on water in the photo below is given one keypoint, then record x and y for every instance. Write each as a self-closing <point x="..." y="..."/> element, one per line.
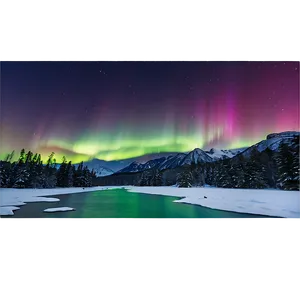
<point x="119" y="203"/>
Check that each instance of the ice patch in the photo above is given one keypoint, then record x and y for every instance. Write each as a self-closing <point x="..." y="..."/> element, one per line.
<point x="56" y="209"/>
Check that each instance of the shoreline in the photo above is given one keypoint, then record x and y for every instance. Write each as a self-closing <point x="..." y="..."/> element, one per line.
<point x="260" y="202"/>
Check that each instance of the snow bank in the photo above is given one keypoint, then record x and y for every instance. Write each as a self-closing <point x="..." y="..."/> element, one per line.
<point x="19" y="197"/>
<point x="263" y="202"/>
<point x="7" y="210"/>
<point x="56" y="209"/>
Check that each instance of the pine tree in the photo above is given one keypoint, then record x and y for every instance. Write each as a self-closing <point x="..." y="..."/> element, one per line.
<point x="157" y="178"/>
<point x="41" y="177"/>
<point x="22" y="176"/>
<point x="88" y="176"/>
<point x="209" y="173"/>
<point x="218" y="174"/>
<point x="38" y="161"/>
<point x="222" y="176"/>
<point x="237" y="175"/>
<point x="22" y="157"/>
<point x="255" y="176"/>
<point x="69" y="175"/>
<point x="62" y="175"/>
<point x="286" y="168"/>
<point x="255" y="172"/>
<point x="34" y="158"/>
<point x="28" y="157"/>
<point x="79" y="179"/>
<point x="145" y="179"/>
<point x="35" y="174"/>
<point x="269" y="165"/>
<point x="11" y="174"/>
<point x="93" y="176"/>
<point x="7" y="158"/>
<point x="10" y="156"/>
<point x="49" y="174"/>
<point x="5" y="170"/>
<point x="185" y="178"/>
<point x="295" y="164"/>
<point x="198" y="175"/>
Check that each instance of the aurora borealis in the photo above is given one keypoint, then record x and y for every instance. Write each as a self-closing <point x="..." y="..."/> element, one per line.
<point x="119" y="110"/>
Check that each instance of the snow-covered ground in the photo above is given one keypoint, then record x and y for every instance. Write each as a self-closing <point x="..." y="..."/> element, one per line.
<point x="264" y="202"/>
<point x="57" y="209"/>
<point x="8" y="210"/>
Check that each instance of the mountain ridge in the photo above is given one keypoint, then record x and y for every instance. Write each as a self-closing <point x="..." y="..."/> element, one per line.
<point x="170" y="160"/>
<point x="197" y="155"/>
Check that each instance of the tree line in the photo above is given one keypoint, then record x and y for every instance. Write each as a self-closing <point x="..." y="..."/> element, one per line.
<point x="29" y="171"/>
<point x="266" y="169"/>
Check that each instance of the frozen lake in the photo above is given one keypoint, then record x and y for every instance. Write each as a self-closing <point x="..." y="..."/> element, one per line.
<point x="119" y="203"/>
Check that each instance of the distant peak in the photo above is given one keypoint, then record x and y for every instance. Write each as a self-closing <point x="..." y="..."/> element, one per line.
<point x="197" y="150"/>
<point x="283" y="134"/>
<point x="212" y="150"/>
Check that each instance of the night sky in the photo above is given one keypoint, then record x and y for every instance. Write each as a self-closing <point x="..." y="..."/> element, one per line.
<point x="118" y="110"/>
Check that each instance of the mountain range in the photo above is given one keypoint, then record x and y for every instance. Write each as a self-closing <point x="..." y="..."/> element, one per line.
<point x="163" y="161"/>
<point x="181" y="159"/>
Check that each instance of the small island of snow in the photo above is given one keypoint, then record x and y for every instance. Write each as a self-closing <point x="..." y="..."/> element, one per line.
<point x="57" y="209"/>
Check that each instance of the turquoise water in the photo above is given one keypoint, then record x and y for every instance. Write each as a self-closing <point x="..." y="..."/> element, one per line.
<point x="119" y="203"/>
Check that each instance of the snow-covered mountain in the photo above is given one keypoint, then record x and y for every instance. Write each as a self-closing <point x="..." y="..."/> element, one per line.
<point x="173" y="160"/>
<point x="98" y="167"/>
<point x="138" y="167"/>
<point x="136" y="164"/>
<point x="196" y="156"/>
<point x="272" y="142"/>
<point x="133" y="167"/>
<point x="216" y="154"/>
<point x="153" y="156"/>
<point x="101" y="171"/>
<point x="170" y="162"/>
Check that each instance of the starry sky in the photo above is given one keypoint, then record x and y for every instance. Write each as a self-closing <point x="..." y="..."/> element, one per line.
<point x="119" y="110"/>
